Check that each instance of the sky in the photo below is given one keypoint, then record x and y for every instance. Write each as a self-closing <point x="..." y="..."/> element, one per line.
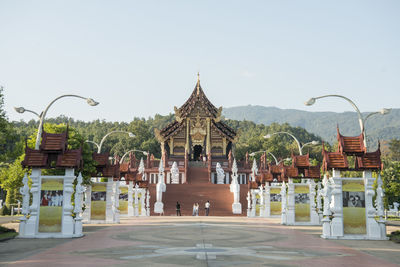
<point x="141" y="58"/>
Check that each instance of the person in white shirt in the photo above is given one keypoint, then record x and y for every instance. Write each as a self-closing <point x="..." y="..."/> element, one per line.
<point x="207" y="207"/>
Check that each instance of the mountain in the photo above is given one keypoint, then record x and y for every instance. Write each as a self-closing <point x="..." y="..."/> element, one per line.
<point x="378" y="127"/>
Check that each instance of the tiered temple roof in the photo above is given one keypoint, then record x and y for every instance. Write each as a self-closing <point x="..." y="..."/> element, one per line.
<point x="197" y="98"/>
<point x="53" y="153"/>
<point x="352" y="146"/>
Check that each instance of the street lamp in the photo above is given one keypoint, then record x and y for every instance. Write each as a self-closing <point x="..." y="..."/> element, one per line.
<point x="361" y="120"/>
<point x="276" y="160"/>
<point x="295" y="139"/>
<point x="104" y="138"/>
<point x="132" y="150"/>
<point x="42" y="115"/>
<point x="22" y="110"/>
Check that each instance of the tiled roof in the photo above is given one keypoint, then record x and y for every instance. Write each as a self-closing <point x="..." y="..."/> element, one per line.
<point x="334" y="160"/>
<point x="34" y="158"/>
<point x="369" y="161"/>
<point x="70" y="159"/>
<point x="351" y="145"/>
<point x="54" y="142"/>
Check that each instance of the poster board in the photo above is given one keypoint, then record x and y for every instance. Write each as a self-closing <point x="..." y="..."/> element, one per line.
<point x="302" y="203"/>
<point x="98" y="201"/>
<point x="354" y="217"/>
<point x="275" y="201"/>
<point x="51" y="205"/>
<point x="123" y="200"/>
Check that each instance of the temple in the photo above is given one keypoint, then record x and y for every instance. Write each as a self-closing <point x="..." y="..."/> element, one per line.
<point x="197" y="164"/>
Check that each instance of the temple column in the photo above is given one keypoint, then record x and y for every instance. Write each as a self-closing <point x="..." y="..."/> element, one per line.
<point x="208" y="145"/>
<point x="224" y="146"/>
<point x="171" y="146"/>
<point x="187" y="147"/>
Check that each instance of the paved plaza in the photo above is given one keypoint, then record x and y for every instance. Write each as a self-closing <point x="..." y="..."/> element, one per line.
<point x="198" y="241"/>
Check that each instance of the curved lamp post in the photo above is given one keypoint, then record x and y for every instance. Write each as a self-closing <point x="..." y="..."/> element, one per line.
<point x="42" y="115"/>
<point x="276" y="160"/>
<point x="22" y="110"/>
<point x="295" y="139"/>
<point x="132" y="150"/>
<point x="104" y="138"/>
<point x="361" y="119"/>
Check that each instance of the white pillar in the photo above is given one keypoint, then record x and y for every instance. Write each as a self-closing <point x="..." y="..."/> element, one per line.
<point x="267" y="210"/>
<point x="88" y="202"/>
<point x="148" y="203"/>
<point x="290" y="212"/>
<point x="109" y="201"/>
<point x="136" y="210"/>
<point x="130" y="199"/>
<point x="254" y="203"/>
<point x="373" y="229"/>
<point x="33" y="221"/>
<point x="142" y="202"/>
<point x="337" y="205"/>
<point x="314" y="218"/>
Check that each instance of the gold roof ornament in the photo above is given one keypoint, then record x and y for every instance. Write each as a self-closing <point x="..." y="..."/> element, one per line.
<point x="198" y="83"/>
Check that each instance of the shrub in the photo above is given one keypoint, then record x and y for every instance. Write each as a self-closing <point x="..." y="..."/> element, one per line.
<point x="5" y="211"/>
<point x="6" y="230"/>
<point x="395" y="236"/>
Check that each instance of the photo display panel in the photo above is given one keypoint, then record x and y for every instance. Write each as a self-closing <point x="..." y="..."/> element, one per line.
<point x="302" y="203"/>
<point x="123" y="200"/>
<point x="354" y="218"/>
<point x="51" y="205"/>
<point x="275" y="201"/>
<point x="98" y="201"/>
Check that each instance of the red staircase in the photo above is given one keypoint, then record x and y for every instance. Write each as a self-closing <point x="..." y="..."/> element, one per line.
<point x="198" y="189"/>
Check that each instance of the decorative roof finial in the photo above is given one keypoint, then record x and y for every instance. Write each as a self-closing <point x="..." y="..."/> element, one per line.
<point x="198" y="83"/>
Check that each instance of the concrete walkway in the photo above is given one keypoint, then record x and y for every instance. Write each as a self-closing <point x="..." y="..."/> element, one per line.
<point x="198" y="241"/>
<point x="8" y="219"/>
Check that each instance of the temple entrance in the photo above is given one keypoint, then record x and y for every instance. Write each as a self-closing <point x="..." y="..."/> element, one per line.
<point x="197" y="149"/>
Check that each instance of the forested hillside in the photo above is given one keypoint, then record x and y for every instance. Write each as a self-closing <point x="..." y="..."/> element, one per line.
<point x="323" y="124"/>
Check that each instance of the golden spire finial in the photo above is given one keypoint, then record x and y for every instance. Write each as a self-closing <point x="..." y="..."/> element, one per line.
<point x="198" y="83"/>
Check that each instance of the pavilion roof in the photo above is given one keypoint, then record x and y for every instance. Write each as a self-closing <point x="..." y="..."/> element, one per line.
<point x="70" y="159"/>
<point x="301" y="161"/>
<point x="312" y="172"/>
<point x="351" y="145"/>
<point x="34" y="158"/>
<point x="369" y="161"/>
<point x="334" y="160"/>
<point x="101" y="159"/>
<point x="54" y="142"/>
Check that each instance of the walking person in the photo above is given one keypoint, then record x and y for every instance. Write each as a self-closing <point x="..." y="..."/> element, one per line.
<point x="194" y="209"/>
<point x="178" y="209"/>
<point x="207" y="207"/>
<point x="197" y="209"/>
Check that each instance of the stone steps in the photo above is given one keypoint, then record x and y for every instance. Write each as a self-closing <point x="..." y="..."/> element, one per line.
<point x="198" y="189"/>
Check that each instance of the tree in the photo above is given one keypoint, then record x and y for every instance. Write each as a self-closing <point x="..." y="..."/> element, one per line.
<point x="394" y="147"/>
<point x="11" y="180"/>
<point x="10" y="145"/>
<point x="391" y="182"/>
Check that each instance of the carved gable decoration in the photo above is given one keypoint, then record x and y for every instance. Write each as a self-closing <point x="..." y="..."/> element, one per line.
<point x="198" y="130"/>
